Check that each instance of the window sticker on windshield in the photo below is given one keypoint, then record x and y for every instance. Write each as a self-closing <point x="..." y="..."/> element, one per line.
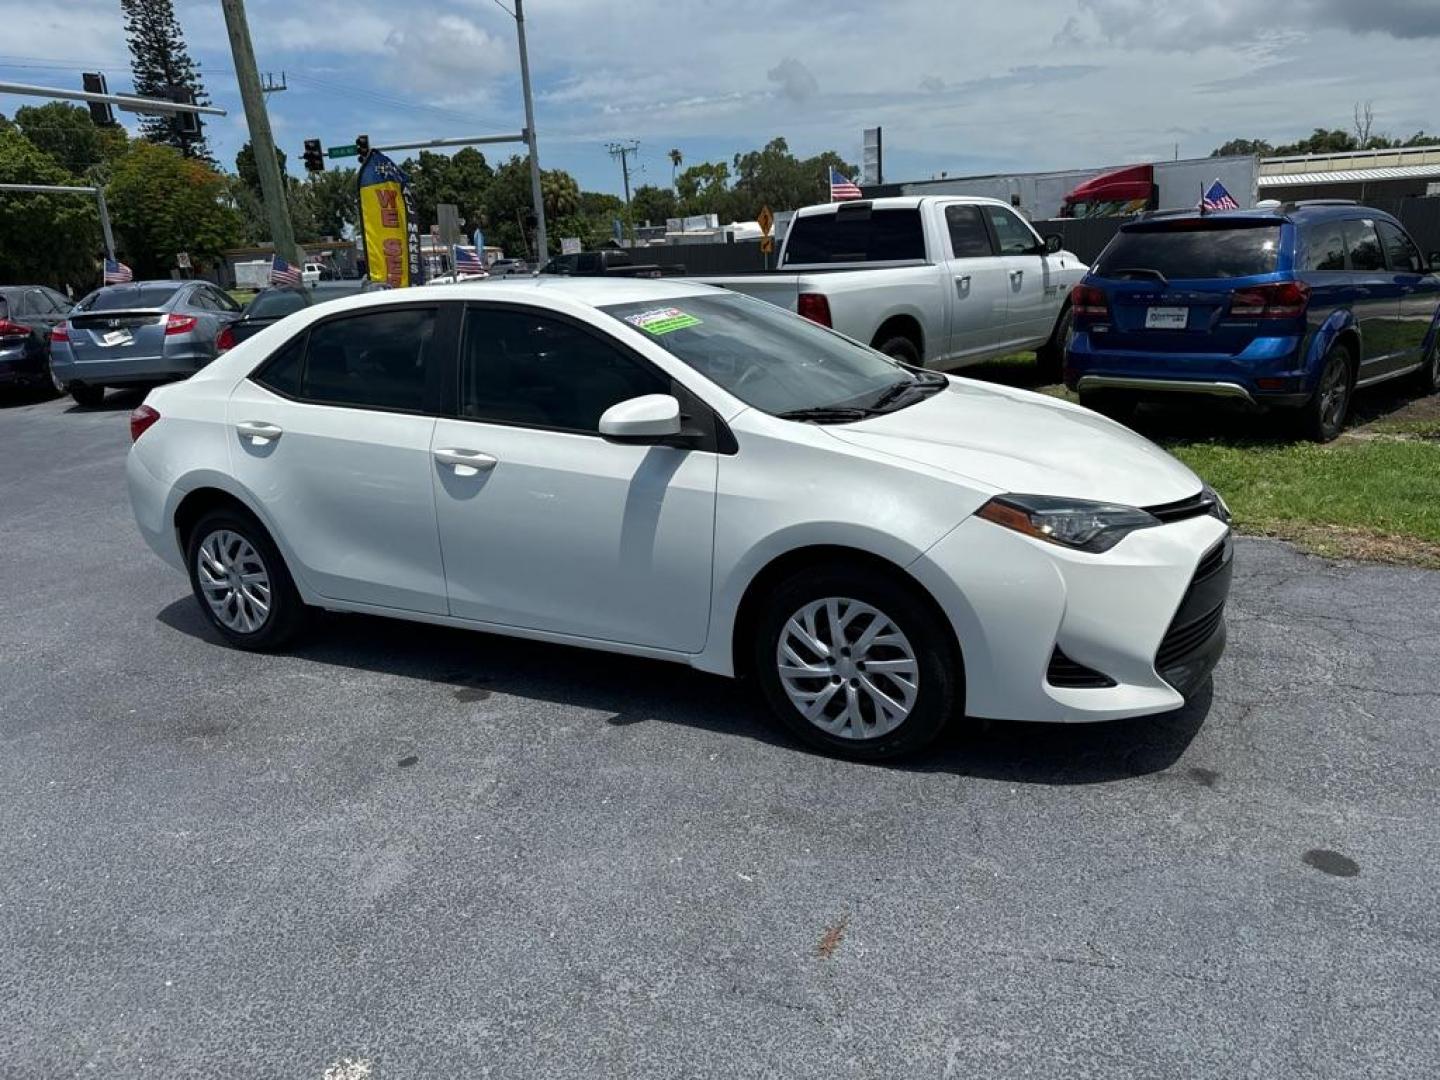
<point x="662" y="320"/>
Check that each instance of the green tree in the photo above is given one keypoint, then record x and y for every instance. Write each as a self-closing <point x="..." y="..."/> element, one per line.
<point x="163" y="203"/>
<point x="247" y="170"/>
<point x="704" y="188"/>
<point x="560" y="192"/>
<point x="676" y="160"/>
<point x="653" y="204"/>
<point x="335" y="201"/>
<point x="774" y="177"/>
<point x="461" y="179"/>
<point x="69" y="136"/>
<point x="45" y="239"/>
<point x="1243" y="146"/>
<point x="159" y="61"/>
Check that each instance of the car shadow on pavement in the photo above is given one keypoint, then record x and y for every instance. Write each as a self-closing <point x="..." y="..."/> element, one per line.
<point x="15" y="397"/>
<point x="632" y="691"/>
<point x="115" y="401"/>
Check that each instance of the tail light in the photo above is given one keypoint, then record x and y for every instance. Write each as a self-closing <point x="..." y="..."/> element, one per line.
<point x="1286" y="300"/>
<point x="1089" y="300"/>
<point x="60" y="332"/>
<point x="141" y="420"/>
<point x="815" y="307"/>
<point x="225" y="339"/>
<point x="179" y="324"/>
<point x="10" y="329"/>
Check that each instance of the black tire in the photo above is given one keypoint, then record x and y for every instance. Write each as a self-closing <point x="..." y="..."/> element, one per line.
<point x="938" y="688"/>
<point x="1050" y="357"/>
<point x="1118" y="406"/>
<point x="87" y="396"/>
<point x="901" y="348"/>
<point x="1323" y="417"/>
<point x="1427" y="379"/>
<point x="287" y="611"/>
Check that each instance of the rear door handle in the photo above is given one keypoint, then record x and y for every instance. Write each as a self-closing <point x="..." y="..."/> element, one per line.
<point x="1015" y="275"/>
<point x="962" y="283"/>
<point x="259" y="431"/>
<point x="466" y="462"/>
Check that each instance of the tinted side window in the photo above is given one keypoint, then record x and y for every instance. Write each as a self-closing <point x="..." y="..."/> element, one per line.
<point x="224" y="301"/>
<point x="377" y="360"/>
<point x="1400" y="249"/>
<point x="39" y="303"/>
<point x="1364" y="245"/>
<point x="524" y="368"/>
<point x="281" y="372"/>
<point x="1013" y="235"/>
<point x="202" y="299"/>
<point x="968" y="238"/>
<point x="856" y="235"/>
<point x="1324" y="247"/>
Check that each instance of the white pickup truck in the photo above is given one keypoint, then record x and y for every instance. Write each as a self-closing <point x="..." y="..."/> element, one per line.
<point x="942" y="281"/>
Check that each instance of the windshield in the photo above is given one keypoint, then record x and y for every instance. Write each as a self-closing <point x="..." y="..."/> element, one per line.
<point x="770" y="358"/>
<point x="1197" y="251"/>
<point x="123" y="297"/>
<point x="276" y="304"/>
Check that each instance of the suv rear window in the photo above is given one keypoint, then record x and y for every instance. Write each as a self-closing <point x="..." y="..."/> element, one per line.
<point x="1203" y="251"/>
<point x="856" y="235"/>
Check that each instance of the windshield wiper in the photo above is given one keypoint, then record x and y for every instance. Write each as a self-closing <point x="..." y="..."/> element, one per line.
<point x="928" y="380"/>
<point x="1137" y="271"/>
<point x="826" y="414"/>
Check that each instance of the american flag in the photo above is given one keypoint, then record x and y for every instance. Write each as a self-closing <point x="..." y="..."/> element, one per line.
<point x="117" y="273"/>
<point x="467" y="260"/>
<point x="282" y="273"/>
<point x="842" y="188"/>
<point x="1217" y="198"/>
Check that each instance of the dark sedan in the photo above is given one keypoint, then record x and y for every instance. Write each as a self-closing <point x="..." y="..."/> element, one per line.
<point x="268" y="307"/>
<point x="27" y="315"/>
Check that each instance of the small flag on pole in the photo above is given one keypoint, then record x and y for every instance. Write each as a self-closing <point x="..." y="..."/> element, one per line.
<point x="466" y="260"/>
<point x="842" y="188"/>
<point x="282" y="273"/>
<point x="117" y="273"/>
<point x="1217" y="198"/>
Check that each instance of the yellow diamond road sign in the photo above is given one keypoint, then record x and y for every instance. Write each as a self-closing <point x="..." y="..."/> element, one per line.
<point x="767" y="244"/>
<point x="765" y="219"/>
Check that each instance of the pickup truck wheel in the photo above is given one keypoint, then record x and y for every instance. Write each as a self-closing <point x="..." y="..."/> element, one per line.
<point x="902" y="349"/>
<point x="1050" y="357"/>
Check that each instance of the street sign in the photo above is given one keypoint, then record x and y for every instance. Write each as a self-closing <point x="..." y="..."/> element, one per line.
<point x="767" y="244"/>
<point x="766" y="220"/>
<point x="182" y="260"/>
<point x="570" y="245"/>
<point x="342" y="151"/>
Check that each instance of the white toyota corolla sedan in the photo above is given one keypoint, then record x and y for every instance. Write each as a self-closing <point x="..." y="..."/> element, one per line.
<point x="669" y="470"/>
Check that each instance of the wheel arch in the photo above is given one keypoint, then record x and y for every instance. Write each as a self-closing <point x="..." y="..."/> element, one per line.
<point x="1340" y="328"/>
<point x="213" y="491"/>
<point x="901" y="324"/>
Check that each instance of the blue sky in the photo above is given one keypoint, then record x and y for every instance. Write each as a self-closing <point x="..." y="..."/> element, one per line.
<point x="966" y="87"/>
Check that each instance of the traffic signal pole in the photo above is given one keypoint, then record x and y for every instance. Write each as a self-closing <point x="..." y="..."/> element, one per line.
<point x="535" y="194"/>
<point x="262" y="143"/>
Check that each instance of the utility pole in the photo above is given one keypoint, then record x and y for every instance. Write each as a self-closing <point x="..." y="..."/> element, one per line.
<point x="535" y="194"/>
<point x="252" y="94"/>
<point x="623" y="152"/>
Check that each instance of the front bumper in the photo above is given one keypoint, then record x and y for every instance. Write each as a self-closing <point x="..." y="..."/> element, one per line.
<point x="1013" y="601"/>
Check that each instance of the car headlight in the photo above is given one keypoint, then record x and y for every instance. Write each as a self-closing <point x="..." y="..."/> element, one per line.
<point x="1221" y="507"/>
<point x="1072" y="523"/>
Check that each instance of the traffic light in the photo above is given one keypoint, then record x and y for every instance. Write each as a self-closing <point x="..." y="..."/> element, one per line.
<point x="186" y="123"/>
<point x="101" y="112"/>
<point x="362" y="147"/>
<point x="314" y="156"/>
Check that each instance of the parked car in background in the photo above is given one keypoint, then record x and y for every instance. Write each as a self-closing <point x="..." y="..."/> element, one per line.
<point x="27" y="315"/>
<point x="1291" y="307"/>
<point x="312" y="273"/>
<point x="612" y="262"/>
<point x="668" y="470"/>
<point x="266" y="308"/>
<point x="508" y="267"/>
<point x="942" y="282"/>
<point x="140" y="333"/>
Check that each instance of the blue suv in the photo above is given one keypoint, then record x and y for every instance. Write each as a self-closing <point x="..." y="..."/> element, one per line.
<point x="1293" y="307"/>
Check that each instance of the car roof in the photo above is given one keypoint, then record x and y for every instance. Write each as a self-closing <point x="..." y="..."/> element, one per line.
<point x="592" y="291"/>
<point x="898" y="202"/>
<point x="1298" y="214"/>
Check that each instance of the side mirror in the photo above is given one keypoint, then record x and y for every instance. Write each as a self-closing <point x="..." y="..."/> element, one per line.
<point x="1053" y="243"/>
<point x="646" y="419"/>
<point x="1435" y="260"/>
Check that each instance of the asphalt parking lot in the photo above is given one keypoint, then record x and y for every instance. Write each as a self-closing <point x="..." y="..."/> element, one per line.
<point x="413" y="852"/>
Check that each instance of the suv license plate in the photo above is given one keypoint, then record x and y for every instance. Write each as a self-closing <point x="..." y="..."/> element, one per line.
<point x="1166" y="318"/>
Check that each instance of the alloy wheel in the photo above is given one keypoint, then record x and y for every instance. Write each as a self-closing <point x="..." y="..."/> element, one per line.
<point x="1334" y="392"/>
<point x="847" y="668"/>
<point x="234" y="581"/>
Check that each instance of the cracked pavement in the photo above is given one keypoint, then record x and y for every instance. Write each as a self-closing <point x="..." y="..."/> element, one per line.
<point x="410" y="852"/>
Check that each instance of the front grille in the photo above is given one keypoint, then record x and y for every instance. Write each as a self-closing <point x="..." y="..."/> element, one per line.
<point x="1180" y="641"/>
<point x="1073" y="675"/>
<point x="1197" y="505"/>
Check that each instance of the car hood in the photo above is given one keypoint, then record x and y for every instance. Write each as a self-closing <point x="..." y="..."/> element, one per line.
<point x="1016" y="441"/>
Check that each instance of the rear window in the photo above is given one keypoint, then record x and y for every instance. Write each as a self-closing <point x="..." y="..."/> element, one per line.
<point x="856" y="235"/>
<point x="1203" y="252"/>
<point x="275" y="305"/>
<point x="129" y="296"/>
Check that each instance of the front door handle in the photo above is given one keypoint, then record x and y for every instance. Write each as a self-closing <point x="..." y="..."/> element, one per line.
<point x="466" y="462"/>
<point x="1016" y="275"/>
<point x="962" y="283"/>
<point x="259" y="431"/>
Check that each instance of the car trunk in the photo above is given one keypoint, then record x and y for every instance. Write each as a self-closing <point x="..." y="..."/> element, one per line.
<point x="117" y="335"/>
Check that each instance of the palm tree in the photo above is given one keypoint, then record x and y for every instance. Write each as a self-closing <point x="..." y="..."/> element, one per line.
<point x="675" y="159"/>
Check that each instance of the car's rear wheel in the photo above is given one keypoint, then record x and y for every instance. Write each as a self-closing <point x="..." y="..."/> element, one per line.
<point x="855" y="662"/>
<point x="241" y="582"/>
<point x="1428" y="377"/>
<point x="901" y="348"/>
<point x="87" y="395"/>
<point x="1323" y="417"/>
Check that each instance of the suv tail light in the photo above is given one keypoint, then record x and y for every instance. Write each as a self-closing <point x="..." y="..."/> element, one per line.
<point x="1287" y="300"/>
<point x="60" y="332"/>
<point x="1089" y="300"/>
<point x="10" y="329"/>
<point x="815" y="307"/>
<point x="141" y="420"/>
<point x="179" y="324"/>
<point x="225" y="339"/>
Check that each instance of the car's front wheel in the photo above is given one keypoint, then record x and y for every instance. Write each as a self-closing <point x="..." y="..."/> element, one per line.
<point x="1428" y="377"/>
<point x="241" y="582"/>
<point x="855" y="662"/>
